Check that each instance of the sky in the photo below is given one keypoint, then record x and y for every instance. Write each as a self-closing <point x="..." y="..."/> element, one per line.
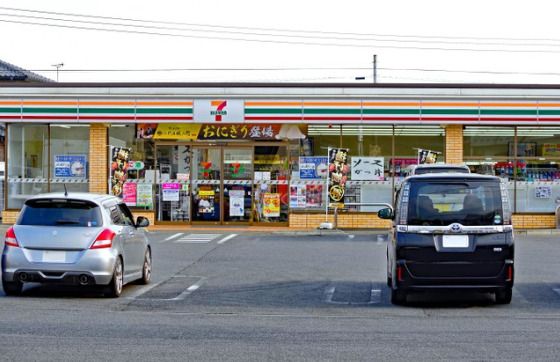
<point x="424" y="41"/>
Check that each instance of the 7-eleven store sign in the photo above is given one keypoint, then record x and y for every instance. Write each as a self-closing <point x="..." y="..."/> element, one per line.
<point x="218" y="111"/>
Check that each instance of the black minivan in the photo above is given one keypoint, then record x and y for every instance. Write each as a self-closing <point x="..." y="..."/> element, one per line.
<point x="451" y="231"/>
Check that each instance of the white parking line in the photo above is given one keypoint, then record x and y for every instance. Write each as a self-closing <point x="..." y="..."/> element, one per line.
<point x="557" y="290"/>
<point x="189" y="290"/>
<point x="171" y="237"/>
<point x="227" y="238"/>
<point x="197" y="238"/>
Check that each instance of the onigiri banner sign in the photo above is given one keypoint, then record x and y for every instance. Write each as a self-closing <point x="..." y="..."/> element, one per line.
<point x="338" y="175"/>
<point x="120" y="158"/>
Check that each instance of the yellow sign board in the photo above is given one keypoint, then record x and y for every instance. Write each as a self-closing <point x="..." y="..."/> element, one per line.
<point x="177" y="131"/>
<point x="206" y="193"/>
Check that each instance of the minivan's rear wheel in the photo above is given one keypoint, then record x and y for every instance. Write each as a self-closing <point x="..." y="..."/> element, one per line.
<point x="146" y="268"/>
<point x="12" y="288"/>
<point x="503" y="296"/>
<point x="114" y="289"/>
<point x="398" y="296"/>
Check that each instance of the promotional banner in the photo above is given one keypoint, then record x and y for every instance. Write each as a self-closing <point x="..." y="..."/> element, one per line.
<point x="338" y="175"/>
<point x="197" y="131"/>
<point x="427" y="156"/>
<point x="367" y="168"/>
<point x="119" y="166"/>
<point x="313" y="167"/>
<point x="271" y="205"/>
<point x="297" y="196"/>
<point x="70" y="166"/>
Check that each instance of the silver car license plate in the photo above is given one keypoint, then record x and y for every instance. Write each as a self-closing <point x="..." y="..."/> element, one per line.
<point x="54" y="256"/>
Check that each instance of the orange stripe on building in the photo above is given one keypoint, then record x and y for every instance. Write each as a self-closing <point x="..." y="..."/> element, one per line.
<point x="391" y="104"/>
<point x="147" y="103"/>
<point x="333" y="104"/>
<point x="273" y="104"/>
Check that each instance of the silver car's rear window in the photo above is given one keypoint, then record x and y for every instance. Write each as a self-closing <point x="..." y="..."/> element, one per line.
<point x="60" y="212"/>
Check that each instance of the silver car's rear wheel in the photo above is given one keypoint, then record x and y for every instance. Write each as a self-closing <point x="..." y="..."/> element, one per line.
<point x="146" y="268"/>
<point x="114" y="289"/>
<point x="12" y="288"/>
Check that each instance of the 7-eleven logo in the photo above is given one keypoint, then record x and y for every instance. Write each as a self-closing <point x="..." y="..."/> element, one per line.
<point x="220" y="109"/>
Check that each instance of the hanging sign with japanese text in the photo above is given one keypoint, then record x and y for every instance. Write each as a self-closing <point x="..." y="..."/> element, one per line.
<point x="367" y="168"/>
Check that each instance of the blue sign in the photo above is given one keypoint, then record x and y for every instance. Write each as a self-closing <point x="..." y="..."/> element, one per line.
<point x="70" y="166"/>
<point x="313" y="167"/>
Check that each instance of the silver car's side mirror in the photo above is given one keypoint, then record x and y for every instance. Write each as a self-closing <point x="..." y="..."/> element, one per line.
<point x="142" y="222"/>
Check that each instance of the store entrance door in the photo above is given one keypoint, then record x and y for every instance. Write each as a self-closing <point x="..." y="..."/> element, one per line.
<point x="172" y="175"/>
<point x="221" y="184"/>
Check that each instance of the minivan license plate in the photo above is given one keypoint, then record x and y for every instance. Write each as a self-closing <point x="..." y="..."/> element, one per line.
<point x="455" y="241"/>
<point x="52" y="256"/>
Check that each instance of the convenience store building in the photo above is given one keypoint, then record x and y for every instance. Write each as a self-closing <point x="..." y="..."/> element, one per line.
<point x="253" y="154"/>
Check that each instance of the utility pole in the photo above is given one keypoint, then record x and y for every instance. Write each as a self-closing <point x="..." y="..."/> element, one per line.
<point x="58" y="66"/>
<point x="374" y="68"/>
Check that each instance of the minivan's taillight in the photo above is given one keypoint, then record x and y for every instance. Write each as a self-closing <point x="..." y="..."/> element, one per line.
<point x="11" y="239"/>
<point x="103" y="240"/>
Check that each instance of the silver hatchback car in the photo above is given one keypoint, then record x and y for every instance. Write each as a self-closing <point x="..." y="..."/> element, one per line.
<point x="79" y="239"/>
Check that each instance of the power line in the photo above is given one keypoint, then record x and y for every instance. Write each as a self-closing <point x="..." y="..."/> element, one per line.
<point x="277" y="41"/>
<point x="454" y="42"/>
<point x="278" y="29"/>
<point x="143" y="32"/>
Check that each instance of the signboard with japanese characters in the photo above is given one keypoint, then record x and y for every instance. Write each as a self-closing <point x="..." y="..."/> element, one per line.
<point x="367" y="168"/>
<point x="338" y="175"/>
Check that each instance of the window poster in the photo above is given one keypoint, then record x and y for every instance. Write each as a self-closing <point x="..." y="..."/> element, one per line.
<point x="144" y="195"/>
<point x="129" y="193"/>
<point x="297" y="196"/>
<point x="313" y="167"/>
<point x="206" y="201"/>
<point x="236" y="203"/>
<point x="367" y="168"/>
<point x="70" y="166"/>
<point x="170" y="191"/>
<point x="313" y="195"/>
<point x="271" y="205"/>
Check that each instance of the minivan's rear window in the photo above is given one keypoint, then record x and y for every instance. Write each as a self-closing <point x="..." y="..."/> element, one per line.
<point x="60" y="212"/>
<point x="467" y="202"/>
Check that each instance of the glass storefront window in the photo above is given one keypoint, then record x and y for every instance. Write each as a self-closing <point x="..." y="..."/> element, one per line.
<point x="69" y="157"/>
<point x="408" y="139"/>
<point x="140" y="178"/>
<point x="271" y="183"/>
<point x="28" y="166"/>
<point x="206" y="180"/>
<point x="238" y="175"/>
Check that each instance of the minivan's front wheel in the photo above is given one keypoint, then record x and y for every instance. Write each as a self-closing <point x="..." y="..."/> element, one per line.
<point x="398" y="296"/>
<point x="12" y="288"/>
<point x="503" y="296"/>
<point x="114" y="289"/>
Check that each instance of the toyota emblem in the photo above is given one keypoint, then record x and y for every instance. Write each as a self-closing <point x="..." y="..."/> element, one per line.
<point x="456" y="228"/>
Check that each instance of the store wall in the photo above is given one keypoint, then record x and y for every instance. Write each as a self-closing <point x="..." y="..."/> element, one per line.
<point x="98" y="155"/>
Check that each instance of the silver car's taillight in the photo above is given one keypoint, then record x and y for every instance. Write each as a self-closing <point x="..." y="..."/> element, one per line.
<point x="10" y="238"/>
<point x="103" y="240"/>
